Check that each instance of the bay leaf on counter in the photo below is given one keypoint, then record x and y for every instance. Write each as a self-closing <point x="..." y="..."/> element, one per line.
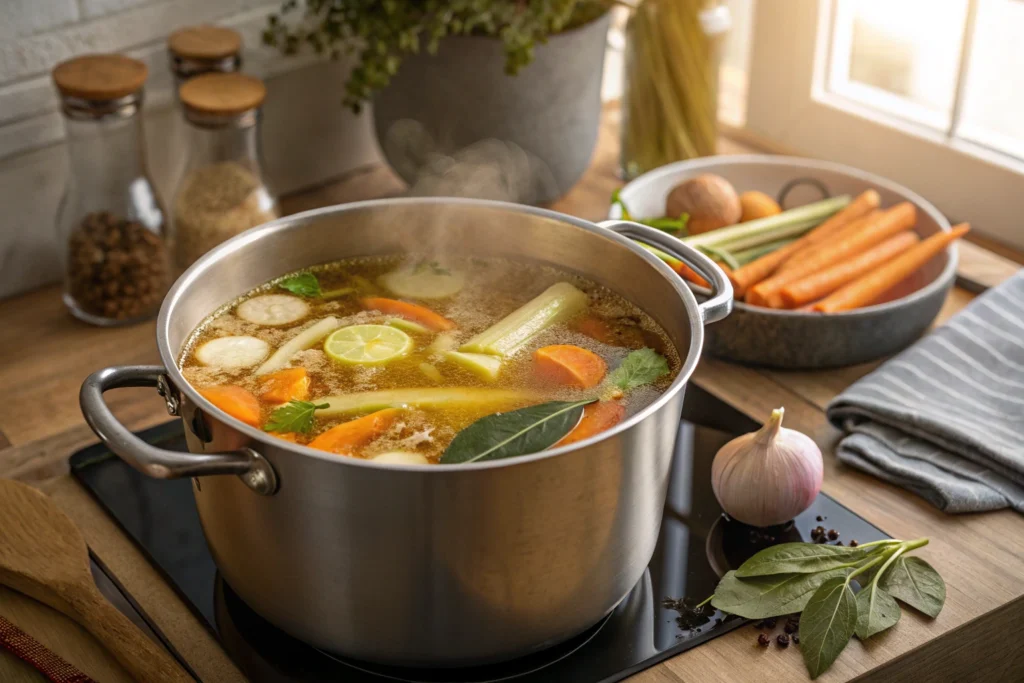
<point x="800" y="558"/>
<point x="760" y="597"/>
<point x="827" y="624"/>
<point x="915" y="582"/>
<point x="876" y="611"/>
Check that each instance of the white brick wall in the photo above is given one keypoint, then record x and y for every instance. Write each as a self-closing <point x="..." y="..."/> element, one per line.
<point x="37" y="34"/>
<point x="22" y="17"/>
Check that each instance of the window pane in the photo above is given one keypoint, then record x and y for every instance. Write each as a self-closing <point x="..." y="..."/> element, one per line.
<point x="899" y="57"/>
<point x="732" y="83"/>
<point x="993" y="107"/>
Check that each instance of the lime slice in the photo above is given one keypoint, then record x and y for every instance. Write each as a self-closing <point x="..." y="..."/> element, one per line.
<point x="367" y="344"/>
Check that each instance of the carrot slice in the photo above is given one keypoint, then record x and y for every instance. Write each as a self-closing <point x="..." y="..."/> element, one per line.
<point x="597" y="417"/>
<point x="866" y="289"/>
<point x="413" y="312"/>
<point x="897" y="219"/>
<point x="290" y="384"/>
<point x="599" y="329"/>
<point x="346" y="438"/>
<point x="235" y="401"/>
<point x="826" y="281"/>
<point x="595" y="328"/>
<point x="568" y="365"/>
<point x="757" y="270"/>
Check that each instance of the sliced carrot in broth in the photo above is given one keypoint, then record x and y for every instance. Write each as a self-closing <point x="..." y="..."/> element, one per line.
<point x="597" y="417"/>
<point x="290" y="384"/>
<point x="348" y="437"/>
<point x="235" y="401"/>
<point x="414" y="312"/>
<point x="568" y="365"/>
<point x="628" y="336"/>
<point x="596" y="328"/>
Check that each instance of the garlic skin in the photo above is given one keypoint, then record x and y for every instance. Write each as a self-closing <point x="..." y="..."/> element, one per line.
<point x="767" y="477"/>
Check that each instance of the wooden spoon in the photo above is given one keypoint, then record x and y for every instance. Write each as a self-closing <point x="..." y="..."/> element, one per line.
<point x="43" y="555"/>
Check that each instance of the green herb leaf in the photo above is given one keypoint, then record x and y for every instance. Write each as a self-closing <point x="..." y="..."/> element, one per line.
<point x="913" y="581"/>
<point x="801" y="558"/>
<point x="617" y="200"/>
<point x="676" y="226"/>
<point x="640" y="367"/>
<point x="303" y="284"/>
<point x="518" y="432"/>
<point x="294" y="416"/>
<point x="827" y="624"/>
<point x="761" y="597"/>
<point x="876" y="611"/>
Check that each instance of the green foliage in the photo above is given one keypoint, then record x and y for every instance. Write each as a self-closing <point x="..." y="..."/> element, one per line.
<point x="383" y="32"/>
<point x="815" y="580"/>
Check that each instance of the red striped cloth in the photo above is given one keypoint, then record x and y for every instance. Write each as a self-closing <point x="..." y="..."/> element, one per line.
<point x="25" y="647"/>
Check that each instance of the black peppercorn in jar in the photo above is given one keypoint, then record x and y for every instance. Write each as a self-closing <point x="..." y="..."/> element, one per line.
<point x="110" y="222"/>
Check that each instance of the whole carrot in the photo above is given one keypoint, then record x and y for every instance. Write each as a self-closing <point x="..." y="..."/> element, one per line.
<point x="817" y="285"/>
<point x="749" y="275"/>
<point x="868" y="288"/>
<point x="897" y="219"/>
<point x="689" y="274"/>
<point x="851" y="228"/>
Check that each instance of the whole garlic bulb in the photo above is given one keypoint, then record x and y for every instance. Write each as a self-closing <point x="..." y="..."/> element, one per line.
<point x="769" y="476"/>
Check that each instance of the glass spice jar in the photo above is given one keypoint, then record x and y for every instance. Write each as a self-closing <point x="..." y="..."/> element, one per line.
<point x="110" y="222"/>
<point x="670" y="102"/>
<point x="223" y="191"/>
<point x="193" y="51"/>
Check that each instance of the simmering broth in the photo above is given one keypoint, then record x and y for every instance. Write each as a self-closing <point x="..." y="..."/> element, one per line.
<point x="392" y="357"/>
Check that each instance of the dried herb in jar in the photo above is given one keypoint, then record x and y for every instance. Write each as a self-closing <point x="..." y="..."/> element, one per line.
<point x="117" y="268"/>
<point x="215" y="203"/>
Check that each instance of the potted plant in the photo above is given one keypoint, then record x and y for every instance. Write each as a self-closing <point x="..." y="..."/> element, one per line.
<point x="493" y="98"/>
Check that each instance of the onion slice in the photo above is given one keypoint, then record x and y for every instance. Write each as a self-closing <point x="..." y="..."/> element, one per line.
<point x="273" y="309"/>
<point x="233" y="352"/>
<point x="423" y="282"/>
<point x="400" y="458"/>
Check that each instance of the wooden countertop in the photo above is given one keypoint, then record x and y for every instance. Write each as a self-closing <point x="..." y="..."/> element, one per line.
<point x="46" y="354"/>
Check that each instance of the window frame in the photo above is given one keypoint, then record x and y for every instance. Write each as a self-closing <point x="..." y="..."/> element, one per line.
<point x="790" y="106"/>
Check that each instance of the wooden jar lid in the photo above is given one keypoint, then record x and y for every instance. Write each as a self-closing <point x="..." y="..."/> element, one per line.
<point x="222" y="94"/>
<point x="100" y="77"/>
<point x="204" y="42"/>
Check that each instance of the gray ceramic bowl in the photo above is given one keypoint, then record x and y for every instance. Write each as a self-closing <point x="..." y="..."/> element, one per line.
<point x="796" y="340"/>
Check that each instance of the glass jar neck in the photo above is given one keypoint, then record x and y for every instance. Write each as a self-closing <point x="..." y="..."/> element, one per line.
<point x="216" y="139"/>
<point x="184" y="68"/>
<point x="104" y="144"/>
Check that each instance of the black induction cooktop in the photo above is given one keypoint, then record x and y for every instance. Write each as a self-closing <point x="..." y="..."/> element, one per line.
<point x="654" y="622"/>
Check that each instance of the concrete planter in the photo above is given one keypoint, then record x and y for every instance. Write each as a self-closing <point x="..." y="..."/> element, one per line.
<point x="455" y="124"/>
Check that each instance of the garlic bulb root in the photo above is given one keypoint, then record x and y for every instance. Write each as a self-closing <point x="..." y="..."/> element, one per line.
<point x="767" y="477"/>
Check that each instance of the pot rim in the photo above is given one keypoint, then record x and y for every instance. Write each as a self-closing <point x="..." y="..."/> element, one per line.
<point x="941" y="281"/>
<point x="208" y="262"/>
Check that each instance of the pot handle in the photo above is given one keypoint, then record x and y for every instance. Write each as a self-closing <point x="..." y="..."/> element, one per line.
<point x="250" y="466"/>
<point x="719" y="305"/>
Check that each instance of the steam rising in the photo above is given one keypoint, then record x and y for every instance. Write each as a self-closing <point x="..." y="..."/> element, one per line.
<point x="488" y="169"/>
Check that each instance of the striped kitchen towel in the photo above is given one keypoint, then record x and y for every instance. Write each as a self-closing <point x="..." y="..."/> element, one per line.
<point x="945" y="418"/>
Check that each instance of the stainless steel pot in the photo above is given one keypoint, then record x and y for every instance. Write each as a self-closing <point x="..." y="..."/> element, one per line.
<point x="423" y="565"/>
